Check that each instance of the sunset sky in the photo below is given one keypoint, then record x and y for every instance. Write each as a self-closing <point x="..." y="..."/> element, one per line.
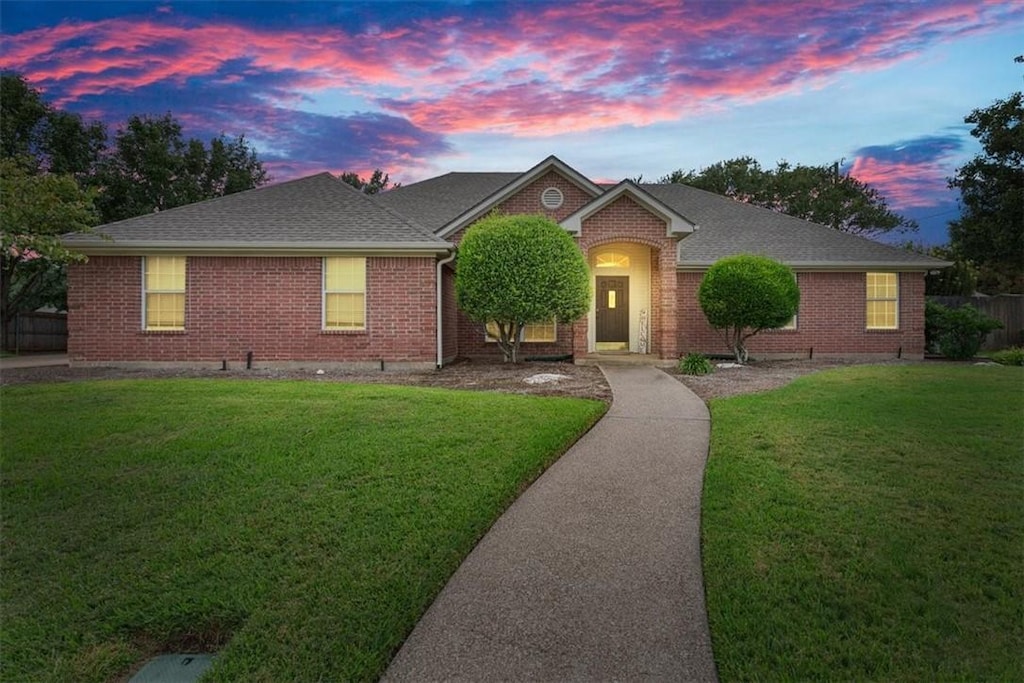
<point x="615" y="89"/>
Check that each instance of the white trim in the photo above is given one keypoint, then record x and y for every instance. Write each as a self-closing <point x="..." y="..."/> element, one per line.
<point x="440" y="307"/>
<point x="867" y="300"/>
<point x="676" y="225"/>
<point x="324" y="293"/>
<point x="552" y="163"/>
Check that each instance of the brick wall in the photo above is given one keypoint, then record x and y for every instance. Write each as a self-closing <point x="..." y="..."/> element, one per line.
<point x="268" y="305"/>
<point x="831" y="320"/>
<point x="624" y="220"/>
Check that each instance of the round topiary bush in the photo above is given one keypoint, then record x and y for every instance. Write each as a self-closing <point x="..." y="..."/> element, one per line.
<point x="517" y="270"/>
<point x="742" y="295"/>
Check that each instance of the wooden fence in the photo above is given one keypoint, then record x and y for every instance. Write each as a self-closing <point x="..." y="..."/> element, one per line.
<point x="38" y="331"/>
<point x="1006" y="308"/>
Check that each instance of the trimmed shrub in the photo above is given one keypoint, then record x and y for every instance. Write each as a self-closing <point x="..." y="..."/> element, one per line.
<point x="958" y="332"/>
<point x="517" y="270"/>
<point x="742" y="295"/>
<point x="695" y="364"/>
<point x="1011" y="356"/>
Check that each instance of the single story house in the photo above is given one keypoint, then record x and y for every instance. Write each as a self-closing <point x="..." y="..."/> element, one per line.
<point x="312" y="272"/>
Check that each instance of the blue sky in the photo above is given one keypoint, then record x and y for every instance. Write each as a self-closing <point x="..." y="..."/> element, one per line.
<point x="616" y="89"/>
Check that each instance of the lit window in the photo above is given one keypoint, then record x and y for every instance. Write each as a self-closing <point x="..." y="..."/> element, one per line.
<point x="534" y="332"/>
<point x="344" y="293"/>
<point x="164" y="299"/>
<point x="882" y="301"/>
<point x="611" y="259"/>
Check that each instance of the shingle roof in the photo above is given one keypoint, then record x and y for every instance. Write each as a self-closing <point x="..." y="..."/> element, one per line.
<point x="436" y="202"/>
<point x="729" y="227"/>
<point x="318" y="211"/>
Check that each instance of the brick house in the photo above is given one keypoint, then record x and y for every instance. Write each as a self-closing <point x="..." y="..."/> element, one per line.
<point x="312" y="272"/>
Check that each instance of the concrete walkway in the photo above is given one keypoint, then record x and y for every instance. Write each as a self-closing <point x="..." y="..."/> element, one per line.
<point x="594" y="573"/>
<point x="33" y="360"/>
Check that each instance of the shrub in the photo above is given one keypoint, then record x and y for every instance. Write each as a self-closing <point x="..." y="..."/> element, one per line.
<point x="695" y="364"/>
<point x="742" y="295"/>
<point x="933" y="316"/>
<point x="958" y="332"/>
<point x="517" y="270"/>
<point x="1011" y="356"/>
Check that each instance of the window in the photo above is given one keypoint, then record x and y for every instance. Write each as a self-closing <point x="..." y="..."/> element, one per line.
<point x="344" y="293"/>
<point x="534" y="332"/>
<point x="882" y="301"/>
<point x="791" y="325"/>
<point x="163" y="301"/>
<point x="611" y="259"/>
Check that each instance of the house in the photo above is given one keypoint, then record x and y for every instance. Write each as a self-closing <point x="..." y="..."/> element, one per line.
<point x="312" y="272"/>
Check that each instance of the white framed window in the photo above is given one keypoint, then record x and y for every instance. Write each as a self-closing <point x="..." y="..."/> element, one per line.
<point x="163" y="293"/>
<point x="532" y="333"/>
<point x="883" y="301"/>
<point x="344" y="293"/>
<point x="791" y="325"/>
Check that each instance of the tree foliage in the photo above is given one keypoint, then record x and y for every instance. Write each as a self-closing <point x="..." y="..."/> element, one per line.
<point x="378" y="182"/>
<point x="957" y="332"/>
<point x="152" y="167"/>
<point x="518" y="270"/>
<point x="48" y="139"/>
<point x="990" y="231"/>
<point x="35" y="210"/>
<point x="742" y="295"/>
<point x="820" y="194"/>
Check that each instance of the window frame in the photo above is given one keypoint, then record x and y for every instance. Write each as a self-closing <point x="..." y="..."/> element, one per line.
<point x="325" y="292"/>
<point x="869" y="300"/>
<point x="524" y="337"/>
<point x="146" y="292"/>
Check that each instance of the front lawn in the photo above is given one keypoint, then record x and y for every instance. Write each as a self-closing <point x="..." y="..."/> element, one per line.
<point x="299" y="528"/>
<point x="868" y="524"/>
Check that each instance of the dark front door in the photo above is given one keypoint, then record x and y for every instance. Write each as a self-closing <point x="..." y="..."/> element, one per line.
<point x="612" y="309"/>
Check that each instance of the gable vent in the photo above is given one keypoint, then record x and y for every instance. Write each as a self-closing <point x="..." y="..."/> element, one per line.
<point x="551" y="198"/>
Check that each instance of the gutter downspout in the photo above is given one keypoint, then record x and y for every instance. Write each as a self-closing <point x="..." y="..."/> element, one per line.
<point x="440" y="279"/>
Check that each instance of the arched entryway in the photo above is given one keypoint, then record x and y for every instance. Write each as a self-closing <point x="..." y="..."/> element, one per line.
<point x="621" y="316"/>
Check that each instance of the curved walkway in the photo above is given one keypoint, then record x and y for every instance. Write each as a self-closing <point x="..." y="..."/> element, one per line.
<point x="594" y="573"/>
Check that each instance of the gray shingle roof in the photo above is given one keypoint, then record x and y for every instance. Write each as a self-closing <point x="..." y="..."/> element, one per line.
<point x="435" y="202"/>
<point x="318" y="211"/>
<point x="729" y="227"/>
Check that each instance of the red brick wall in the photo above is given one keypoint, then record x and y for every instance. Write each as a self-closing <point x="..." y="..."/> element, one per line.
<point x="268" y="305"/>
<point x="527" y="200"/>
<point x="626" y="221"/>
<point x="831" y="320"/>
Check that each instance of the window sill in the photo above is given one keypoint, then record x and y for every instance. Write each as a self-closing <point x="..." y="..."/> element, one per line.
<point x="164" y="332"/>
<point x="363" y="331"/>
<point x="881" y="330"/>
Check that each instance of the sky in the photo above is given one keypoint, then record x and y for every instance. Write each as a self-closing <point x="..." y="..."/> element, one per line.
<point x="615" y="89"/>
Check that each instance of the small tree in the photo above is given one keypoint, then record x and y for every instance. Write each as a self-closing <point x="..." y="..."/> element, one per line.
<point x="742" y="295"/>
<point x="35" y="210"/>
<point x="517" y="270"/>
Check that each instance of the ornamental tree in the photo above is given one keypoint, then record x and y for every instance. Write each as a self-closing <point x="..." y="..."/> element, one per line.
<point x="518" y="270"/>
<point x="742" y="295"/>
<point x="35" y="210"/>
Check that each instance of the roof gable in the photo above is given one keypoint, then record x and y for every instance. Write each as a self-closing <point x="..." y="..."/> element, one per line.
<point x="315" y="212"/>
<point x="552" y="163"/>
<point x="677" y="225"/>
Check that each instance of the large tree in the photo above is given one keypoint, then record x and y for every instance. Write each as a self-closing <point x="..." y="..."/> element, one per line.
<point x="821" y="194"/>
<point x="745" y="294"/>
<point x="990" y="231"/>
<point x="152" y="167"/>
<point x="518" y="270"/>
<point x="35" y="210"/>
<point x="47" y="139"/>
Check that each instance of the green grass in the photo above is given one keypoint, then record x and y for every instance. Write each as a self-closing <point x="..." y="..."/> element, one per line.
<point x="868" y="524"/>
<point x="301" y="528"/>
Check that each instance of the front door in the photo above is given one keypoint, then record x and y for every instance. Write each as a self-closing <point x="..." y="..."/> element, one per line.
<point x="612" y="309"/>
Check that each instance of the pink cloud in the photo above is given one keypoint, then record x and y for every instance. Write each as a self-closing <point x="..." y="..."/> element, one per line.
<point x="537" y="70"/>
